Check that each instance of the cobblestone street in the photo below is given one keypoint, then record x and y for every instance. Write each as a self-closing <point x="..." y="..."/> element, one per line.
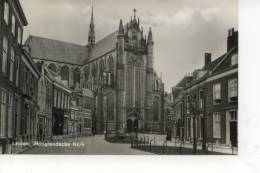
<point x="92" y="145"/>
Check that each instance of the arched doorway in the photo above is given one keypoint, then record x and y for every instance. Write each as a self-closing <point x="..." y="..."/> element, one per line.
<point x="133" y="122"/>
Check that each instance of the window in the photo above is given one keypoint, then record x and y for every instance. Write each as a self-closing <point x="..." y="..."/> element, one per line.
<point x="6" y="13"/>
<point x="188" y="104"/>
<point x="5" y="51"/>
<point x="232" y="90"/>
<point x="3" y="113"/>
<point x="19" y="35"/>
<point x="216" y="125"/>
<point x="11" y="74"/>
<point x="62" y="100"/>
<point x="10" y="115"/>
<point x="65" y="101"/>
<point x="216" y="93"/>
<point x="201" y="98"/>
<point x="233" y="116"/>
<point x="55" y="98"/>
<point x="17" y="71"/>
<point x="188" y="127"/>
<point x="13" y="25"/>
<point x="234" y="59"/>
<point x="68" y="102"/>
<point x="156" y="110"/>
<point x="59" y="98"/>
<point x="200" y="127"/>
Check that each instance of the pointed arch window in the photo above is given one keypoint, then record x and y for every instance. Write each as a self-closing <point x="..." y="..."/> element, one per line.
<point x="65" y="73"/>
<point x="101" y="67"/>
<point x="110" y="64"/>
<point x="86" y="72"/>
<point x="156" y="109"/>
<point x="94" y="70"/>
<point x="76" y="76"/>
<point x="52" y="67"/>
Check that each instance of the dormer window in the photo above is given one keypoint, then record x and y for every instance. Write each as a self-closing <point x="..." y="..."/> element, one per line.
<point x="234" y="59"/>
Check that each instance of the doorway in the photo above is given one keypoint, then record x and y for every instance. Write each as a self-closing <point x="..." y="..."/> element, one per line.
<point x="231" y="128"/>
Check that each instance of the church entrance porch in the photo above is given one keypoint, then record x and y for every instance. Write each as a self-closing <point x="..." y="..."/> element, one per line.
<point x="134" y="122"/>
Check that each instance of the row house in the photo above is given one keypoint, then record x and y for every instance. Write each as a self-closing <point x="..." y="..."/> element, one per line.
<point x="81" y="109"/>
<point x="62" y="112"/>
<point x="29" y="76"/>
<point x="61" y="106"/>
<point x="44" y="100"/>
<point x="209" y="98"/>
<point x="178" y="106"/>
<point x="12" y="21"/>
<point x="87" y="105"/>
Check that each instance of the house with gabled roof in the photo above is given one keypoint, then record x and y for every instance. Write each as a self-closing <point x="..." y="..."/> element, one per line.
<point x="210" y="98"/>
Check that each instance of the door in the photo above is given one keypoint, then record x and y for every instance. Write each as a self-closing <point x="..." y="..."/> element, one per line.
<point x="233" y="133"/>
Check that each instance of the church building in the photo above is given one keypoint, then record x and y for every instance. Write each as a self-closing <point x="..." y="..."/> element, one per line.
<point x="119" y="69"/>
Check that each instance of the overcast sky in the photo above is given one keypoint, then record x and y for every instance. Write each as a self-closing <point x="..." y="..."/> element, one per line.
<point x="182" y="29"/>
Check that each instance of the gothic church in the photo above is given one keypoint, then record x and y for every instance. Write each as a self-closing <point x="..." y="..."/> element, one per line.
<point x="119" y="69"/>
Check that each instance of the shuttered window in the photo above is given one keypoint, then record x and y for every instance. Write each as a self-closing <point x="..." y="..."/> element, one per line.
<point x="216" y="125"/>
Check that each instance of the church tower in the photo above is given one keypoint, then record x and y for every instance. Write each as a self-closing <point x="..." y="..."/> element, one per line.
<point x="91" y="34"/>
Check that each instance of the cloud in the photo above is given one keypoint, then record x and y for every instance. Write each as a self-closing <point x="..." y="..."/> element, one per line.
<point x="183" y="17"/>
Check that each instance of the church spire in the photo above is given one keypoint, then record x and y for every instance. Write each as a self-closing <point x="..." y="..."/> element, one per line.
<point x="121" y="28"/>
<point x="91" y="34"/>
<point x="150" y="36"/>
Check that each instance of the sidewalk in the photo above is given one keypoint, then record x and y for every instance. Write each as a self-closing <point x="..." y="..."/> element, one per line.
<point x="160" y="139"/>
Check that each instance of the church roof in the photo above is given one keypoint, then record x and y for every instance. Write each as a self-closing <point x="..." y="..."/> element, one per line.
<point x="60" y="51"/>
<point x="103" y="46"/>
<point x="54" y="50"/>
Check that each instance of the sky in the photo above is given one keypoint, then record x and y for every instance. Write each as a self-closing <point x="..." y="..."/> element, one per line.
<point x="183" y="30"/>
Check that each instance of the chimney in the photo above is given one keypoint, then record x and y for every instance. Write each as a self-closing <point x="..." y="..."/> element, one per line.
<point x="207" y="60"/>
<point x="232" y="39"/>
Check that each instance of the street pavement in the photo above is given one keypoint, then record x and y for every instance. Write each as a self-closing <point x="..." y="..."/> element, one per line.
<point x="91" y="145"/>
<point x="159" y="140"/>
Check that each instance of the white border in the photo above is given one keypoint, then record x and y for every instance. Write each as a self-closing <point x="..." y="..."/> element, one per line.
<point x="249" y="127"/>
